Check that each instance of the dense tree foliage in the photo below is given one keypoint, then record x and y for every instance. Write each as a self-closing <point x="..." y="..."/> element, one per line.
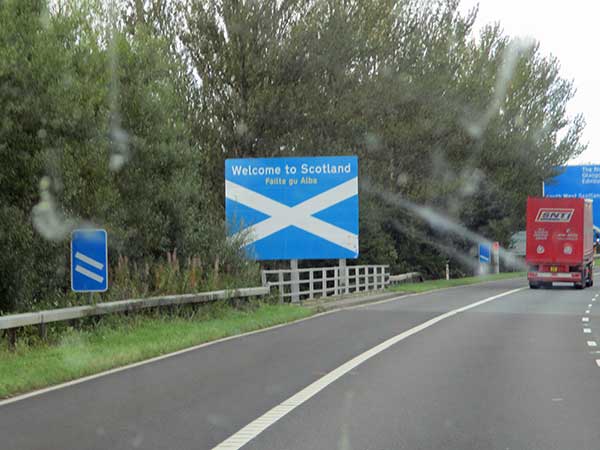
<point x="123" y="116"/>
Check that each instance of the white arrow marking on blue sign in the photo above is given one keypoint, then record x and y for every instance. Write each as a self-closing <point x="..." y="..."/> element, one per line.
<point x="86" y="259"/>
<point x="300" y="216"/>
<point x="89" y="274"/>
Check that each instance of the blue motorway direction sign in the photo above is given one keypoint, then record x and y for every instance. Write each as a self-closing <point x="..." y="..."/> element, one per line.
<point x="485" y="251"/>
<point x="89" y="261"/>
<point x="577" y="181"/>
<point x="294" y="208"/>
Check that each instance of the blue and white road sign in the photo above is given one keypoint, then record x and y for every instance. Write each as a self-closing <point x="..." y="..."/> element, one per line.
<point x="294" y="208"/>
<point x="89" y="261"/>
<point x="574" y="182"/>
<point x="485" y="251"/>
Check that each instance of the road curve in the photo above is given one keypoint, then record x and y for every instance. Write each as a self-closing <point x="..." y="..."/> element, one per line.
<point x="514" y="373"/>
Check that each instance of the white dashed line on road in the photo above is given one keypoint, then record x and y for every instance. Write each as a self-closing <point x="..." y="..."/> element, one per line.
<point x="598" y="362"/>
<point x="591" y="343"/>
<point x="585" y="319"/>
<point x="589" y="305"/>
<point x="587" y="330"/>
<point x="587" y="311"/>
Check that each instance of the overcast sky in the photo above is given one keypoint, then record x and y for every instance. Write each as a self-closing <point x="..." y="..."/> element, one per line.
<point x="568" y="29"/>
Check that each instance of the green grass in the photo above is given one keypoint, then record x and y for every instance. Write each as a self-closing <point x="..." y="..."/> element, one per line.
<point x="440" y="284"/>
<point x="123" y="340"/>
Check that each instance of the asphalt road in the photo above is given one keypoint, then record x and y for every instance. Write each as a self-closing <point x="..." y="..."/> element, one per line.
<point x="516" y="372"/>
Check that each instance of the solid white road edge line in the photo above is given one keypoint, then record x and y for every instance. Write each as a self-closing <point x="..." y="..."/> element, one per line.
<point x="228" y="338"/>
<point x="254" y="428"/>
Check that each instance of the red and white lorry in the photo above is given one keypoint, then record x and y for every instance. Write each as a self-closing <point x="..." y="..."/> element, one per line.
<point x="560" y="241"/>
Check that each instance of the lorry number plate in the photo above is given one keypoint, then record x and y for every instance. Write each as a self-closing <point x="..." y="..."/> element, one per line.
<point x="553" y="269"/>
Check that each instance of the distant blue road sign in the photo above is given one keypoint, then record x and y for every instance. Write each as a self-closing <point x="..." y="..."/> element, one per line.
<point x="485" y="251"/>
<point x="574" y="182"/>
<point x="89" y="261"/>
<point x="294" y="208"/>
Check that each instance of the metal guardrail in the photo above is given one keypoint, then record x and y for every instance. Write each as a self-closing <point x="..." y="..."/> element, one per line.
<point x="406" y="278"/>
<point x="41" y="318"/>
<point x="326" y="281"/>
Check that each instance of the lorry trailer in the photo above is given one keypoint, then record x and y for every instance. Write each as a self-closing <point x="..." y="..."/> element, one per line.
<point x="559" y="243"/>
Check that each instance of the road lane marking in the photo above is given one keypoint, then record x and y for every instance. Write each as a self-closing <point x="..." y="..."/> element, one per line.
<point x="587" y="330"/>
<point x="587" y="311"/>
<point x="257" y="426"/>
<point x="592" y="343"/>
<point x="585" y="319"/>
<point x="589" y="305"/>
<point x="598" y="362"/>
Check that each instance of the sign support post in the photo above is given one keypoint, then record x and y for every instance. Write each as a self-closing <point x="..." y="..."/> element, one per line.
<point x="295" y="278"/>
<point x="496" y="256"/>
<point x="343" y="273"/>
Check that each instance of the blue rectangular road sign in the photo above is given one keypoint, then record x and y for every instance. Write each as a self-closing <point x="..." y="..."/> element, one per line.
<point x="485" y="251"/>
<point x="574" y="182"/>
<point x="89" y="261"/>
<point x="294" y="208"/>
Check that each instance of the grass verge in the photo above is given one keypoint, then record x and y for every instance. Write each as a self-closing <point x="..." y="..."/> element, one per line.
<point x="440" y="284"/>
<point x="124" y="340"/>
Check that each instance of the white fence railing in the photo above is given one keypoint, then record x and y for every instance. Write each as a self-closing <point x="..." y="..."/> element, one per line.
<point x="325" y="281"/>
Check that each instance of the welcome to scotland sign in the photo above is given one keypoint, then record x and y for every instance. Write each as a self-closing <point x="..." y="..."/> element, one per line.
<point x="294" y="208"/>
